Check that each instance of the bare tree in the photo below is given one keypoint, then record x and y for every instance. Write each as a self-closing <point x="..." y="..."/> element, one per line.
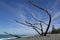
<point x="46" y="13"/>
<point x="37" y="19"/>
<point x="41" y="29"/>
<point x="30" y="25"/>
<point x="12" y="35"/>
<point x="34" y="25"/>
<point x="40" y="22"/>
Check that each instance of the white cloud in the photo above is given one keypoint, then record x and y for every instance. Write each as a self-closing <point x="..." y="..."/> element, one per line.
<point x="23" y="17"/>
<point x="56" y="15"/>
<point x="20" y="14"/>
<point x="24" y="30"/>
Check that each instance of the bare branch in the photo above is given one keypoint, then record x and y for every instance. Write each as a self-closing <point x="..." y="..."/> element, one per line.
<point x="41" y="29"/>
<point x="27" y="25"/>
<point x="12" y="35"/>
<point x="39" y="7"/>
<point x="31" y="23"/>
<point x="34" y="27"/>
<point x="36" y="30"/>
<point x="37" y="19"/>
<point x="46" y="13"/>
<point x="35" y="23"/>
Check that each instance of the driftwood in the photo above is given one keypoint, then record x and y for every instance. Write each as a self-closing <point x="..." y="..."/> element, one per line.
<point x="27" y="24"/>
<point x="34" y="27"/>
<point x="30" y="25"/>
<point x="40" y="22"/>
<point x="46" y="13"/>
<point x="37" y="19"/>
<point x="41" y="29"/>
<point x="12" y="35"/>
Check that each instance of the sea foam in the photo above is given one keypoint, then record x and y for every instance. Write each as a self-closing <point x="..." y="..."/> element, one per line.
<point x="7" y="38"/>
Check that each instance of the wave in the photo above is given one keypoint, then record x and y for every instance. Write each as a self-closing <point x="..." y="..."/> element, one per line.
<point x="7" y="38"/>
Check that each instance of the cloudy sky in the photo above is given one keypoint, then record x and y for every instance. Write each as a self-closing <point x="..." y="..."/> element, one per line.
<point x="11" y="10"/>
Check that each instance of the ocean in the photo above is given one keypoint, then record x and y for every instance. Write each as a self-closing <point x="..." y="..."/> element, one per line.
<point x="5" y="36"/>
<point x="9" y="36"/>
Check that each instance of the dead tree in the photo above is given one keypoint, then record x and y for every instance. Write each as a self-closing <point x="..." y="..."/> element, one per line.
<point x="30" y="25"/>
<point x="40" y="22"/>
<point x="41" y="29"/>
<point x="46" y="13"/>
<point x="12" y="35"/>
<point x="37" y="19"/>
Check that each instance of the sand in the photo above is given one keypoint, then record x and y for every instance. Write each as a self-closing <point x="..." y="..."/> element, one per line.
<point x="36" y="37"/>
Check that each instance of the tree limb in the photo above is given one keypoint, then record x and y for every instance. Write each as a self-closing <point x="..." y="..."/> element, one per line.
<point x="46" y="13"/>
<point x="37" y="19"/>
<point x="27" y="25"/>
<point x="41" y="29"/>
<point x="36" y="31"/>
<point x="31" y="23"/>
<point x="12" y="35"/>
<point x="34" y="27"/>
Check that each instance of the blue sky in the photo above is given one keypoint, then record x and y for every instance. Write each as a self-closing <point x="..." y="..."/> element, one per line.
<point x="21" y="9"/>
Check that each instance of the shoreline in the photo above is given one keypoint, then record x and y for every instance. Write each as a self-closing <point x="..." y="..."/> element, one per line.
<point x="8" y="38"/>
<point x="36" y="37"/>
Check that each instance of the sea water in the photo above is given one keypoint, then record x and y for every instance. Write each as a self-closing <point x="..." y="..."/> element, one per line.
<point x="5" y="36"/>
<point x="2" y="37"/>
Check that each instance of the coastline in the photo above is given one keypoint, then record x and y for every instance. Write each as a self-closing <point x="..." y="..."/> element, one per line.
<point x="37" y="37"/>
<point x="8" y="38"/>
